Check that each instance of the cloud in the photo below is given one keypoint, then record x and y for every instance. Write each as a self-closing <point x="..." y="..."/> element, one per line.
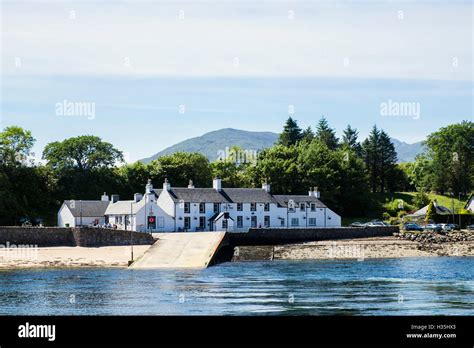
<point x="268" y="39"/>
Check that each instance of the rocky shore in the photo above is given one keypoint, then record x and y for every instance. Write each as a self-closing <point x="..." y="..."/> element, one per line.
<point x="399" y="245"/>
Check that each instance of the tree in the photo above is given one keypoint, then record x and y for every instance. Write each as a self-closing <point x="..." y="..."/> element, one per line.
<point x="451" y="150"/>
<point x="15" y="145"/>
<point x="181" y="167"/>
<point x="389" y="172"/>
<point x="430" y="212"/>
<point x="326" y="134"/>
<point x="370" y="148"/>
<point x="350" y="140"/>
<point x="83" y="152"/>
<point x="380" y="158"/>
<point x="278" y="166"/>
<point x="291" y="133"/>
<point x="308" y="135"/>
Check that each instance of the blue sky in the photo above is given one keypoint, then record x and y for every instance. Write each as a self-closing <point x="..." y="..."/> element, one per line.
<point x="234" y="64"/>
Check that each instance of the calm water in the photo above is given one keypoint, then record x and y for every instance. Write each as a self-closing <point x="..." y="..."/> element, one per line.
<point x="414" y="286"/>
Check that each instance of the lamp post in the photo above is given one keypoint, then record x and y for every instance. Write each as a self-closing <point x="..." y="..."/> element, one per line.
<point x="459" y="210"/>
<point x="131" y="232"/>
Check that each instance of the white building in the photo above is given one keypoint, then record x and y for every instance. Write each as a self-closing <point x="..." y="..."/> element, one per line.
<point x="82" y="213"/>
<point x="208" y="209"/>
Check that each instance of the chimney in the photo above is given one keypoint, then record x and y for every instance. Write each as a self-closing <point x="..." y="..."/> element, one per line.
<point x="137" y="197"/>
<point x="115" y="198"/>
<point x="149" y="187"/>
<point x="266" y="187"/>
<point x="310" y="192"/>
<point x="317" y="194"/>
<point x="217" y="184"/>
<point x="190" y="185"/>
<point x="166" y="185"/>
<point x="104" y="197"/>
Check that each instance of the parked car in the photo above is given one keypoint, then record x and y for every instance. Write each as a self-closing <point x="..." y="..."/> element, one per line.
<point x="470" y="227"/>
<point x="433" y="227"/>
<point x="357" y="224"/>
<point x="412" y="227"/>
<point x="376" y="223"/>
<point x="449" y="227"/>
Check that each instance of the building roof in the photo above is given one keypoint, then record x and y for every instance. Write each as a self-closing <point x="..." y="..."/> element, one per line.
<point x="196" y="195"/>
<point x="124" y="207"/>
<point x="245" y="195"/>
<point x="87" y="208"/>
<point x="284" y="199"/>
<point x="220" y="215"/>
<point x="441" y="210"/>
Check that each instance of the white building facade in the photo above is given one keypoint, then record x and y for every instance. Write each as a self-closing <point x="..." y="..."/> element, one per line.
<point x="190" y="209"/>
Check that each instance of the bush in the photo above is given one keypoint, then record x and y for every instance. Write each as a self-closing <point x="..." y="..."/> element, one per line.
<point x="397" y="205"/>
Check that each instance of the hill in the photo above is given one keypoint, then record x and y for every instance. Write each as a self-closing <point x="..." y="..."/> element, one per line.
<point x="209" y="144"/>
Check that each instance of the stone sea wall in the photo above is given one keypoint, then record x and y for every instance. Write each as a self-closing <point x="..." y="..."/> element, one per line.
<point x="73" y="236"/>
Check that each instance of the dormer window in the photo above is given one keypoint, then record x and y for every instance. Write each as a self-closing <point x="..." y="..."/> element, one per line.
<point x="302" y="206"/>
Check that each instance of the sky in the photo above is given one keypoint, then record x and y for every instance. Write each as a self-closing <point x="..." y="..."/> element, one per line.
<point x="153" y="73"/>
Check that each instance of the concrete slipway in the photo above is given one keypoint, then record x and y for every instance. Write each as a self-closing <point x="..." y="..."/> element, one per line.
<point x="180" y="250"/>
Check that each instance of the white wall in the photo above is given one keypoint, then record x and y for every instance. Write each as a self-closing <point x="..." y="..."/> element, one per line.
<point x="65" y="217"/>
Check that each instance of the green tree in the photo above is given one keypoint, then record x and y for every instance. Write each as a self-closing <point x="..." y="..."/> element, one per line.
<point x="451" y="150"/>
<point x="389" y="173"/>
<point x="370" y="148"/>
<point x="380" y="158"/>
<point x="15" y="145"/>
<point x="277" y="165"/>
<point x="308" y="135"/>
<point x="326" y="134"/>
<point x="181" y="167"/>
<point x="291" y="133"/>
<point x="430" y="212"/>
<point x="350" y="140"/>
<point x="83" y="152"/>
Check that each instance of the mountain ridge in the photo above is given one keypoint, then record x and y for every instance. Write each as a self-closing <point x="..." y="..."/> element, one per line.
<point x="216" y="142"/>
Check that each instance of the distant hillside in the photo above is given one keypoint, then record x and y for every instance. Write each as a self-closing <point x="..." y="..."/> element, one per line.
<point x="211" y="143"/>
<point x="407" y="152"/>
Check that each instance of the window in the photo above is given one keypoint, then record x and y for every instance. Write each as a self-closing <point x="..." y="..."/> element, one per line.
<point x="216" y="208"/>
<point x="282" y="222"/>
<point x="302" y="206"/>
<point x="253" y="206"/>
<point x="312" y="222"/>
<point x="267" y="207"/>
<point x="161" y="222"/>
<point x="313" y="207"/>
<point x="240" y="222"/>
<point x="187" y="222"/>
<point x="254" y="221"/>
<point x="202" y="222"/>
<point x="187" y="207"/>
<point x="295" y="222"/>
<point x="224" y="223"/>
<point x="266" y="221"/>
<point x="239" y="206"/>
<point x="202" y="208"/>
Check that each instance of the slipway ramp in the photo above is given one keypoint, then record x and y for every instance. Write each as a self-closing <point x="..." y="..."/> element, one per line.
<point x="180" y="250"/>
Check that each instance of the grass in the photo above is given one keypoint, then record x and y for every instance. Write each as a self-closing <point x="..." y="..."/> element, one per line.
<point x="379" y="199"/>
<point x="408" y="197"/>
